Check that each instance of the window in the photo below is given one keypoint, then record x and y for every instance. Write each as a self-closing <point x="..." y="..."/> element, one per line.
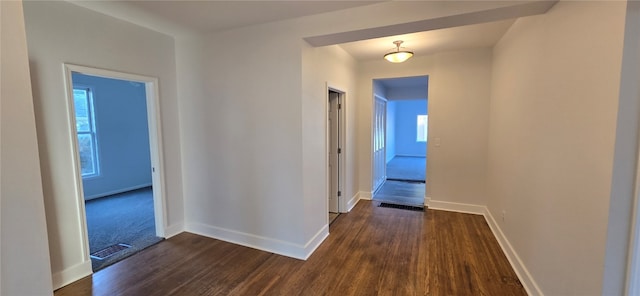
<point x="422" y="129"/>
<point x="86" y="128"/>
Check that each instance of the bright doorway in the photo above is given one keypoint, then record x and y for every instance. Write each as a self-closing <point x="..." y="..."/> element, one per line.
<point x="117" y="159"/>
<point x="400" y="135"/>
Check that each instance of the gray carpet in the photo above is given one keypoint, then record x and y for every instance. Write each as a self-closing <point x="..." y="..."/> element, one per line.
<point x="122" y="218"/>
<point x="407" y="168"/>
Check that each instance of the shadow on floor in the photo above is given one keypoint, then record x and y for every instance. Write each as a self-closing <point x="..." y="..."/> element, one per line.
<point x="402" y="193"/>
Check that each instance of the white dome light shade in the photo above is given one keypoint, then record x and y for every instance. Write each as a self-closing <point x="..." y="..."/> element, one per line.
<point x="398" y="56"/>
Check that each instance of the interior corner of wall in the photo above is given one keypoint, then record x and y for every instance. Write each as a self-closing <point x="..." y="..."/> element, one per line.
<point x="71" y="274"/>
<point x="174" y="229"/>
<point x="527" y="280"/>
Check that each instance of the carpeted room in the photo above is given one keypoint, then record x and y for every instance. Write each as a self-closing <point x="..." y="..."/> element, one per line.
<point x="115" y="163"/>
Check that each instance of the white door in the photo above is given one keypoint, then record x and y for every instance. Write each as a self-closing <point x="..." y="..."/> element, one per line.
<point x="379" y="148"/>
<point x="334" y="151"/>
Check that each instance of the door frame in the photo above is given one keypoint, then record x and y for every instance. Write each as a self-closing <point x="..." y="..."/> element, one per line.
<point x="373" y="148"/>
<point x="342" y="159"/>
<point x="632" y="282"/>
<point x="155" y="144"/>
<point x="373" y="97"/>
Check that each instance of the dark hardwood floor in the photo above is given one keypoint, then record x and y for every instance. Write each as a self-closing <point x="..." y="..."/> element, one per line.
<point x="370" y="251"/>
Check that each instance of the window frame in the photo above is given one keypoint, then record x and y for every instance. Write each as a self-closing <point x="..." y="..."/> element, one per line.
<point x="93" y="134"/>
<point x="422" y="138"/>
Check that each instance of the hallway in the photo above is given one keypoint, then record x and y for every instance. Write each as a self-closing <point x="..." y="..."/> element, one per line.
<point x="371" y="251"/>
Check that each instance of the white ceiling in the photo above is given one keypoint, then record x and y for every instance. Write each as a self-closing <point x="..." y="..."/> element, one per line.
<point x="429" y="42"/>
<point x="215" y="15"/>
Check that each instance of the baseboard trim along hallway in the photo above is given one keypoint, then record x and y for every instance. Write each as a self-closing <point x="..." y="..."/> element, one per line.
<point x="456" y="207"/>
<point x="353" y="201"/>
<point x="518" y="266"/>
<point x="271" y="245"/>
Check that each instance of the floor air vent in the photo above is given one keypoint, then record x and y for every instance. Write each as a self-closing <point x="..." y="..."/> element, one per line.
<point x="108" y="251"/>
<point x="403" y="207"/>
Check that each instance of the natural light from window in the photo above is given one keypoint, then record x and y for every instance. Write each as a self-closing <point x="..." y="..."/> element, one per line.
<point x="423" y="124"/>
<point x="85" y="126"/>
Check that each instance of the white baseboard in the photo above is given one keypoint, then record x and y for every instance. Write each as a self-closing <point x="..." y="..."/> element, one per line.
<point x="280" y="247"/>
<point x="365" y="195"/>
<point x="173" y="230"/>
<point x="71" y="274"/>
<point x="353" y="201"/>
<point x="523" y="274"/>
<point x="315" y="241"/>
<point x="455" y="207"/>
<point x="411" y="155"/>
<point x="90" y="197"/>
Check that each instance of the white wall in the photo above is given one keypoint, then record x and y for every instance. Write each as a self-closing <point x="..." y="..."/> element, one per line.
<point x="624" y="197"/>
<point x="251" y="135"/>
<point x="24" y="253"/>
<point x="459" y="89"/>
<point x="406" y="125"/>
<point x="261" y="162"/>
<point x="333" y="65"/>
<point x="257" y="136"/>
<point x="59" y="32"/>
<point x="122" y="136"/>
<point x="552" y="130"/>
<point x="190" y="74"/>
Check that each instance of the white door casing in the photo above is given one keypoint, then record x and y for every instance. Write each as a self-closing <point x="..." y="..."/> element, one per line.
<point x="334" y="149"/>
<point x="155" y="143"/>
<point x="379" y="147"/>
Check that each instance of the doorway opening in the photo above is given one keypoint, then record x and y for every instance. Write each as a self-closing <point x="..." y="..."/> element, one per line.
<point x="117" y="160"/>
<point x="335" y="133"/>
<point x="400" y="135"/>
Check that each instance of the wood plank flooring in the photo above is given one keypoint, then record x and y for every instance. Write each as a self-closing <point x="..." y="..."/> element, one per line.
<point x="370" y="251"/>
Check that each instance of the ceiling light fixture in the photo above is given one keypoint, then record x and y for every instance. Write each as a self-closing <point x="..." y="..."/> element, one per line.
<point x="397" y="55"/>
